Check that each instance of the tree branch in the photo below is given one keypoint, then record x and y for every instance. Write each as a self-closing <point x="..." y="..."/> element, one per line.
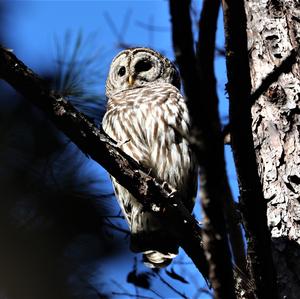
<point x="285" y="67"/>
<point x="159" y="198"/>
<point x="200" y="89"/>
<point x="252" y="202"/>
<point x="205" y="57"/>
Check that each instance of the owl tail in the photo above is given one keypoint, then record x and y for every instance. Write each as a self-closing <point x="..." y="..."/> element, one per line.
<point x="155" y="259"/>
<point x="149" y="236"/>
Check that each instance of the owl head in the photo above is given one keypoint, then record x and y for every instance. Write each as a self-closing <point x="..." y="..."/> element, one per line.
<point x="138" y="67"/>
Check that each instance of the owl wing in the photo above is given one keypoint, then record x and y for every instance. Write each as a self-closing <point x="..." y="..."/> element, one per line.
<point x="171" y="157"/>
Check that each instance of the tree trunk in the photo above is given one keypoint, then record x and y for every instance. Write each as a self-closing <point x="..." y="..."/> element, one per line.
<point x="273" y="32"/>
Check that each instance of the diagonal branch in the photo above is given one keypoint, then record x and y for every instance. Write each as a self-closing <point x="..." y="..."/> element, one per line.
<point x="157" y="197"/>
<point x="200" y="89"/>
<point x="252" y="202"/>
<point x="285" y="67"/>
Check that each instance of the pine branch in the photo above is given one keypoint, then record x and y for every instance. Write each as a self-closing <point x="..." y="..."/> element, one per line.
<point x="156" y="196"/>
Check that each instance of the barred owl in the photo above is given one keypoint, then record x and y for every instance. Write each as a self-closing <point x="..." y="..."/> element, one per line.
<point x="147" y="116"/>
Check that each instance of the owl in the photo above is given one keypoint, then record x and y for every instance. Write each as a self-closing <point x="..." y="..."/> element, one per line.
<point x="148" y="117"/>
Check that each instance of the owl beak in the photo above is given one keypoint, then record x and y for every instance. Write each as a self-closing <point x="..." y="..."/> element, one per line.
<point x="130" y="80"/>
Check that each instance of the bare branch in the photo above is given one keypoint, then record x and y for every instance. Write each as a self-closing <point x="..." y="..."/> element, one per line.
<point x="131" y="295"/>
<point x="234" y="230"/>
<point x="203" y="105"/>
<point x="285" y="67"/>
<point x="206" y="55"/>
<point x="171" y="287"/>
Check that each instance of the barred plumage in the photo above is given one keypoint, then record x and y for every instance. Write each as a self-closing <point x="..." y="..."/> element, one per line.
<point x="146" y="109"/>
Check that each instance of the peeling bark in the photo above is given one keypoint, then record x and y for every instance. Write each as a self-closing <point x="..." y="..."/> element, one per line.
<point x="273" y="32"/>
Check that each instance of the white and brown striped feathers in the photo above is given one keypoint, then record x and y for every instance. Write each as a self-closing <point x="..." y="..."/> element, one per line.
<point x="145" y="108"/>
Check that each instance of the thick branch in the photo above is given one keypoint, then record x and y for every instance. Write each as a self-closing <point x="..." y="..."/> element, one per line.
<point x="101" y="148"/>
<point x="253" y="205"/>
<point x="203" y="105"/>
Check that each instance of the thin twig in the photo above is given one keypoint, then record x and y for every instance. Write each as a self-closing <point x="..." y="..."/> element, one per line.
<point x="131" y="295"/>
<point x="171" y="287"/>
<point x="285" y="67"/>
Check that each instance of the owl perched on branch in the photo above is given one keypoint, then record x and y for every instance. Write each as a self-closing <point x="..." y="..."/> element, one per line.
<point x="147" y="116"/>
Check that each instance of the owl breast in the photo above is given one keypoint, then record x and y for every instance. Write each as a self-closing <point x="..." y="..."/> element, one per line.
<point x="150" y="124"/>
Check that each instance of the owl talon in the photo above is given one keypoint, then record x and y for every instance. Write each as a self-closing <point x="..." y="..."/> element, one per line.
<point x="168" y="188"/>
<point x="172" y="193"/>
<point x="164" y="184"/>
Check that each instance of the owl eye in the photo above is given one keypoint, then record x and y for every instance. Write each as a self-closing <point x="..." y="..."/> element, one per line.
<point x="121" y="71"/>
<point x="142" y="66"/>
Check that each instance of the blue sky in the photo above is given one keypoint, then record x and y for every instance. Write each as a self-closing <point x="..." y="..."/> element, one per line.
<point x="36" y="26"/>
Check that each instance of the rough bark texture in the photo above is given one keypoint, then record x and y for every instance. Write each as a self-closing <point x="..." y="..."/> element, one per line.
<point x="273" y="31"/>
